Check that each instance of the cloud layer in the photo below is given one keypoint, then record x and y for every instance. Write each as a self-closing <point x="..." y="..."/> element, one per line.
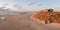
<point x="27" y="5"/>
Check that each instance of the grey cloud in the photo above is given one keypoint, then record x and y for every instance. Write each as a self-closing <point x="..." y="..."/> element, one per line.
<point x="39" y="4"/>
<point x="4" y="5"/>
<point x="32" y="3"/>
<point x="17" y="6"/>
<point x="35" y="3"/>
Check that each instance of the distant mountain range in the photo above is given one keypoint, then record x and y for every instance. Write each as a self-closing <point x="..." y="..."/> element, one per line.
<point x="7" y="11"/>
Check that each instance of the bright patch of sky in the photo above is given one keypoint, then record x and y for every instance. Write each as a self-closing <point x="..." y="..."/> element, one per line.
<point x="30" y="5"/>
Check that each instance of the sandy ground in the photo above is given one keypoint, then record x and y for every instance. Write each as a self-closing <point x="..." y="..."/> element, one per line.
<point x="23" y="22"/>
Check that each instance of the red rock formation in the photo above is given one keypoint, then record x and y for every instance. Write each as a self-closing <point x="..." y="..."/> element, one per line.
<point x="47" y="16"/>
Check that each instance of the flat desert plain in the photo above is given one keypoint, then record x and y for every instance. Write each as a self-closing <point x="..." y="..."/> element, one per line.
<point x="24" y="22"/>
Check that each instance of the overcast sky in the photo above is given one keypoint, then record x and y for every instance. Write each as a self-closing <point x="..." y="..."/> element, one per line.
<point x="30" y="5"/>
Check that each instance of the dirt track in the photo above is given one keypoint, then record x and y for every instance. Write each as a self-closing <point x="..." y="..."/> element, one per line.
<point x="19" y="22"/>
<point x="23" y="22"/>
